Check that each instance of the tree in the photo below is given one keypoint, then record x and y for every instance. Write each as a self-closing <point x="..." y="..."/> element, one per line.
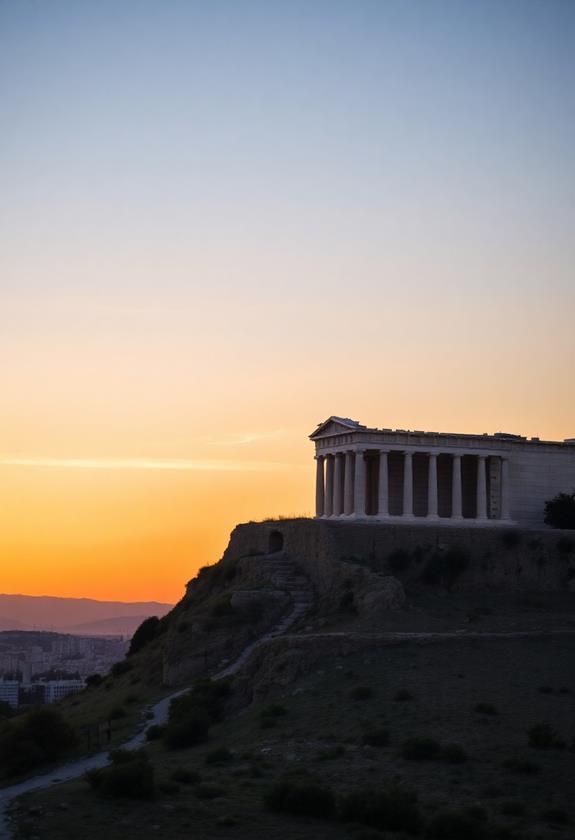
<point x="144" y="634"/>
<point x="560" y="511"/>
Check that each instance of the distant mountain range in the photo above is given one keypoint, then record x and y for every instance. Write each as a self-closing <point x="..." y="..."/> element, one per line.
<point x="82" y="616"/>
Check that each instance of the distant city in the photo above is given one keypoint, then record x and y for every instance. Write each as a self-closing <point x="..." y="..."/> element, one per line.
<point x="42" y="667"/>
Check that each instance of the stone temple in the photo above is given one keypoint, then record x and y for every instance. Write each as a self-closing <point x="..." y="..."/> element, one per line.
<point x="435" y="477"/>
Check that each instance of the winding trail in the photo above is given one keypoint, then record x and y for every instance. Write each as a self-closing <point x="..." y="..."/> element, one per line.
<point x="156" y="714"/>
<point x="75" y="769"/>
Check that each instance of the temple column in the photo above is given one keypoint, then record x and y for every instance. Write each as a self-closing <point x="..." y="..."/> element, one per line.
<point x="432" y="487"/>
<point x="319" y="486"/>
<point x="383" y="489"/>
<point x="407" y="484"/>
<point x="481" y="512"/>
<point x="338" y="485"/>
<point x="505" y="514"/>
<point x="348" y="484"/>
<point x="456" y="489"/>
<point x="328" y="503"/>
<point x="359" y="484"/>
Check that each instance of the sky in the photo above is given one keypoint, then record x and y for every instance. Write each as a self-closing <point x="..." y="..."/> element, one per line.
<point x="222" y="222"/>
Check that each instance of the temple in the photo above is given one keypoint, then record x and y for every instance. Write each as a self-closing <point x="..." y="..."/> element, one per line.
<point x="412" y="476"/>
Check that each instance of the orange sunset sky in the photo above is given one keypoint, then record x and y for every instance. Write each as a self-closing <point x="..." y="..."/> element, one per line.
<point x="248" y="217"/>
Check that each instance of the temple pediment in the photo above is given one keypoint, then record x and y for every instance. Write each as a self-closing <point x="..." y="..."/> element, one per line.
<point x="336" y="426"/>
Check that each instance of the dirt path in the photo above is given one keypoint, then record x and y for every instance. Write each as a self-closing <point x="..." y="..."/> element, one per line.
<point x="157" y="714"/>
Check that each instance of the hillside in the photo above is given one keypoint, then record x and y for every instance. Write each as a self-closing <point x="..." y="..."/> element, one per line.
<point x="407" y="693"/>
<point x="75" y="615"/>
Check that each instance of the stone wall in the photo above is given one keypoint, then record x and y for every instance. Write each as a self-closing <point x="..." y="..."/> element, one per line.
<point x="496" y="558"/>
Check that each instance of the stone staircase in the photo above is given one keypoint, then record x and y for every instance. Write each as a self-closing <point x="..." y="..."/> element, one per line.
<point x="285" y="576"/>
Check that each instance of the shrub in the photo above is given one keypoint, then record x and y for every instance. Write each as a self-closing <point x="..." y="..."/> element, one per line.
<point x="273" y="710"/>
<point x="116" y="713"/>
<point x="302" y="797"/>
<point x="209" y="791"/>
<point x="221" y="755"/>
<point x="486" y="709"/>
<point x="132" y="779"/>
<point x="512" y="808"/>
<point x="444" y="568"/>
<point x="454" y="754"/>
<point x="145" y="633"/>
<point x="398" y="561"/>
<point x="94" y="680"/>
<point x="119" y="668"/>
<point x="393" y="809"/>
<point x="187" y="731"/>
<point x="522" y="765"/>
<point x="542" y="736"/>
<point x="454" y="825"/>
<point x="545" y="689"/>
<point x="347" y="602"/>
<point x="331" y="753"/>
<point x="511" y="539"/>
<point x="403" y="695"/>
<point x="33" y="739"/>
<point x="361" y="692"/>
<point x="376" y="738"/>
<point x="557" y="816"/>
<point x="155" y="732"/>
<point x="560" y="511"/>
<point x="421" y="749"/>
<point x="565" y="545"/>
<point x="184" y="776"/>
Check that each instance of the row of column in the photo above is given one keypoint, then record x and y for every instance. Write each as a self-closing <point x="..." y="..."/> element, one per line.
<point x="338" y="495"/>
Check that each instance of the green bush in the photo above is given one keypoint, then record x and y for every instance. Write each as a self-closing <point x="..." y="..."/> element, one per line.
<point x="121" y="667"/>
<point x="565" y="545"/>
<point x="94" y="680"/>
<point x="155" y="732"/>
<point x="37" y="738"/>
<point x="273" y="710"/>
<point x="146" y="632"/>
<point x="132" y="779"/>
<point x="116" y="713"/>
<point x="512" y="808"/>
<point x="398" y="561"/>
<point x="455" y="825"/>
<point x="421" y="749"/>
<point x="187" y="731"/>
<point x="560" y="511"/>
<point x="511" y="539"/>
<point x="210" y="791"/>
<point x="331" y="753"/>
<point x="555" y="816"/>
<point x="184" y="776"/>
<point x="444" y="568"/>
<point x="392" y="809"/>
<point x="376" y="738"/>
<point x="454" y="754"/>
<point x="486" y="709"/>
<point x="542" y="736"/>
<point x="518" y="764"/>
<point x="361" y="692"/>
<point x="301" y="797"/>
<point x="402" y="696"/>
<point x="221" y="755"/>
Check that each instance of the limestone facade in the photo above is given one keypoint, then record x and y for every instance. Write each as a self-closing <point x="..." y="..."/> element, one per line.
<point x="411" y="476"/>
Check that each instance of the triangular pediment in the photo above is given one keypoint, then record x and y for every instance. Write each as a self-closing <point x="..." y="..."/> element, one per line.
<point x="336" y="426"/>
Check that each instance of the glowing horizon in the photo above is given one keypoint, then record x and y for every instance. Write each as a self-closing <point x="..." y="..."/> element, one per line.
<point x="248" y="218"/>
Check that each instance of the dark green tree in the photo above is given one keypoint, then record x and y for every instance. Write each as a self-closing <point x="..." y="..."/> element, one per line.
<point x="144" y="634"/>
<point x="560" y="511"/>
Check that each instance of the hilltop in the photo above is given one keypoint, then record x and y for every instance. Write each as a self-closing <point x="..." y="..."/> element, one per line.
<point x="422" y="679"/>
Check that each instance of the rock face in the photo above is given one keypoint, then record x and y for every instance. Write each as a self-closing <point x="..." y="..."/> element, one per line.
<point x="496" y="558"/>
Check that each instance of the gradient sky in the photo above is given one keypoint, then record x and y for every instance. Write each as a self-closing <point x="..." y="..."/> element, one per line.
<point x="222" y="222"/>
